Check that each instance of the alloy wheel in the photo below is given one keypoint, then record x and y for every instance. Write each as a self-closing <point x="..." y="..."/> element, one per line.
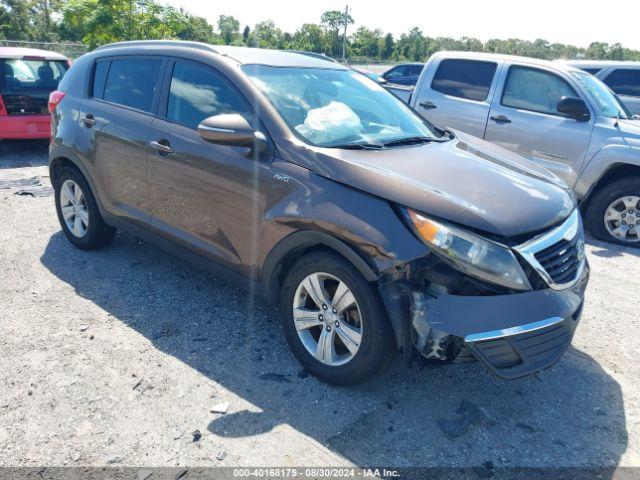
<point x="327" y="319"/>
<point x="74" y="208"/>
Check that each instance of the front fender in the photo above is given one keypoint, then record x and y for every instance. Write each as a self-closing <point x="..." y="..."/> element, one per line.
<point x="312" y="210"/>
<point x="607" y="158"/>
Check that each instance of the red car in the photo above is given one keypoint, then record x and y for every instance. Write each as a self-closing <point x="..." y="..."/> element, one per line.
<point x="27" y="77"/>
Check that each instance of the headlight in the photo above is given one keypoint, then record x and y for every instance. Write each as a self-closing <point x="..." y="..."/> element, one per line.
<point x="471" y="253"/>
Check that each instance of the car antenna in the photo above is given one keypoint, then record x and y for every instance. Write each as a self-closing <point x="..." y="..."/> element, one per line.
<point x="617" y="118"/>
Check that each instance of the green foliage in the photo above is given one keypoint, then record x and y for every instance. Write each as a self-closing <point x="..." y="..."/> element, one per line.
<point x="96" y="22"/>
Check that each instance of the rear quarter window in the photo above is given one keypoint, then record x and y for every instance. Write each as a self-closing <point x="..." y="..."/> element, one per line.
<point x="99" y="78"/>
<point x="470" y="79"/>
<point x="624" y="81"/>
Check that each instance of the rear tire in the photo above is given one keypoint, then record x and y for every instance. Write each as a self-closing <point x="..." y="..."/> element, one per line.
<point x="359" y="318"/>
<point x="604" y="216"/>
<point x="78" y="213"/>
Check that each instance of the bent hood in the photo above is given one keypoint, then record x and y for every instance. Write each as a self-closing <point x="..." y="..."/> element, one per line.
<point x="466" y="180"/>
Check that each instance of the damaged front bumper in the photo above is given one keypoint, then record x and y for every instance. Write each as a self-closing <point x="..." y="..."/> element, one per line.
<point x="513" y="335"/>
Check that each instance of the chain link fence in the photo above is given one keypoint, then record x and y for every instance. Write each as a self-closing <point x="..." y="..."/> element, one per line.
<point x="71" y="50"/>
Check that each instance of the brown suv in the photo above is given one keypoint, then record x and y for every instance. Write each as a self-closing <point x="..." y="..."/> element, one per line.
<point x="309" y="183"/>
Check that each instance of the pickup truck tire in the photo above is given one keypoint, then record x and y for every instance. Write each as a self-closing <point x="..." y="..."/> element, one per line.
<point x="92" y="232"/>
<point x="329" y="322"/>
<point x="617" y="203"/>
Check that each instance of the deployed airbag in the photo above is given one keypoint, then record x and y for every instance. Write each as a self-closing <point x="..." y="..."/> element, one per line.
<point x="331" y="122"/>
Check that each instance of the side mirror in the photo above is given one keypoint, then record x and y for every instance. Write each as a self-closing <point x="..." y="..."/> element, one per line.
<point x="231" y="129"/>
<point x="574" y="108"/>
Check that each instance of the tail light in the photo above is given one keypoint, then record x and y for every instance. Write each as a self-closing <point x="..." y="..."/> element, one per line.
<point x="54" y="99"/>
<point x="3" y="111"/>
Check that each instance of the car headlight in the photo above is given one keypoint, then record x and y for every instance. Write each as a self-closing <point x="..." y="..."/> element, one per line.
<point x="470" y="253"/>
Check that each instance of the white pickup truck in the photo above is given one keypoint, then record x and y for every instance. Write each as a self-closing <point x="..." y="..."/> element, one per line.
<point x="556" y="115"/>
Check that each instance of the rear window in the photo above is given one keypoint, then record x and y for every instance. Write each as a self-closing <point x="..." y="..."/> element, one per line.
<point x="31" y="75"/>
<point x="624" y="81"/>
<point x="129" y="82"/>
<point x="470" y="79"/>
<point x="25" y="85"/>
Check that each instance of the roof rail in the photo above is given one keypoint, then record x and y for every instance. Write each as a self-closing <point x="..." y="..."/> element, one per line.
<point x="160" y="43"/>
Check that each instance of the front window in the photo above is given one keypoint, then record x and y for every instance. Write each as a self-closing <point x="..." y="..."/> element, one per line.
<point x="535" y="90"/>
<point x="605" y="99"/>
<point x="334" y="108"/>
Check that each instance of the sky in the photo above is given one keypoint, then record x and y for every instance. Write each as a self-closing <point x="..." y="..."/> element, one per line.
<point x="566" y="21"/>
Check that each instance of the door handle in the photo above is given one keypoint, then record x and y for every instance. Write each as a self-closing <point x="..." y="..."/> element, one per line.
<point x="162" y="146"/>
<point x="88" y="120"/>
<point x="500" y="119"/>
<point x="428" y="105"/>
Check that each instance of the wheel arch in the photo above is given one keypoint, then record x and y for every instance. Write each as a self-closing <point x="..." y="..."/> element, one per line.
<point x="614" y="172"/>
<point x="62" y="157"/>
<point x="294" y="246"/>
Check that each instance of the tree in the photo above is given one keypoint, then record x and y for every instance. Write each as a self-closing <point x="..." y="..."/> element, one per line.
<point x="310" y="37"/>
<point x="266" y="35"/>
<point x="412" y="46"/>
<point x="386" y="49"/>
<point x="366" y="43"/>
<point x="17" y="23"/>
<point x="245" y="35"/>
<point x="333" y="21"/>
<point x="229" y="29"/>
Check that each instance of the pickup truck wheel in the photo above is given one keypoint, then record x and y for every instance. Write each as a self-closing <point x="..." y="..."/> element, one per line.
<point x="78" y="213"/>
<point x="334" y="321"/>
<point x="613" y="214"/>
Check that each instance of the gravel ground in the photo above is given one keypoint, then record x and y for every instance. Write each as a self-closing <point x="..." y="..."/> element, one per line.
<point x="117" y="356"/>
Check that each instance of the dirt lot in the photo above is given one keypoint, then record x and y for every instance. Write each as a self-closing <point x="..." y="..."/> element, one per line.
<point x="115" y="357"/>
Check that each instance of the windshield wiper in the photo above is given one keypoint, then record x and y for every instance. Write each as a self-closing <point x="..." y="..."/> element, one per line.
<point x="409" y="141"/>
<point x="357" y="146"/>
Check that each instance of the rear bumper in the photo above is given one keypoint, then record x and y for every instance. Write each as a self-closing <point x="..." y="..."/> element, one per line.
<point x="512" y="335"/>
<point x="25" y="126"/>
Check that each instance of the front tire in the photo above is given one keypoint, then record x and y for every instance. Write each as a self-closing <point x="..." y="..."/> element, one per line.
<point x="334" y="320"/>
<point x="78" y="213"/>
<point x="613" y="213"/>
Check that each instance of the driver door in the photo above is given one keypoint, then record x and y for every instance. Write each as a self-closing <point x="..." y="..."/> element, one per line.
<point x="524" y="119"/>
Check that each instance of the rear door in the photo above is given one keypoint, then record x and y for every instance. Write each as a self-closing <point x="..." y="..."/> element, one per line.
<point x="625" y="82"/>
<point x="524" y="118"/>
<point x="114" y="124"/>
<point x="205" y="196"/>
<point x="456" y="93"/>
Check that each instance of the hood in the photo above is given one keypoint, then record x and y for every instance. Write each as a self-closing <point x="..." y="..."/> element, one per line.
<point x="631" y="130"/>
<point x="466" y="180"/>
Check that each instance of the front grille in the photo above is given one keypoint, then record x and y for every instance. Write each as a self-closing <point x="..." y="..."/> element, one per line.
<point x="25" y="104"/>
<point x="557" y="255"/>
<point x="561" y="260"/>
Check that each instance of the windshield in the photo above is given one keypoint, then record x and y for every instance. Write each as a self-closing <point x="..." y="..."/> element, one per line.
<point x="337" y="108"/>
<point x="607" y="101"/>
